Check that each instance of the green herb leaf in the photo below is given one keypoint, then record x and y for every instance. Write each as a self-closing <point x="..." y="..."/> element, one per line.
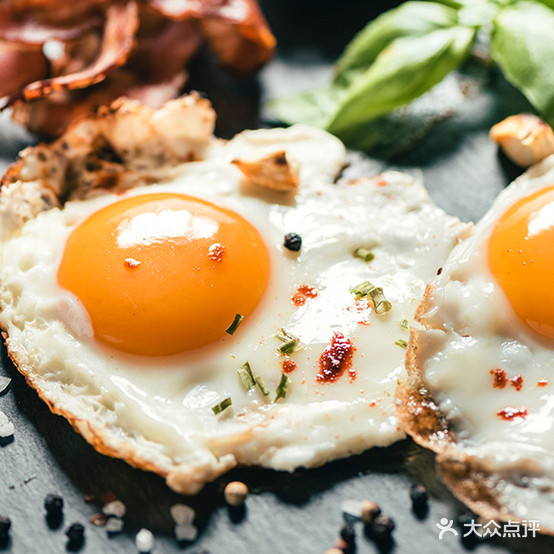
<point x="407" y="68"/>
<point x="409" y="19"/>
<point x="313" y="107"/>
<point x="261" y="385"/>
<point x="224" y="404"/>
<point x="401" y="342"/>
<point x="246" y="376"/>
<point x="282" y="387"/>
<point x="365" y="254"/>
<point x="380" y="303"/>
<point x="361" y="290"/>
<point x="234" y="325"/>
<point x="292" y="343"/>
<point x="523" y="47"/>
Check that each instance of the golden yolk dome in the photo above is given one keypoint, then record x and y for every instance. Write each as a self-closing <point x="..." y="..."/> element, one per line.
<point x="521" y="258"/>
<point x="164" y="273"/>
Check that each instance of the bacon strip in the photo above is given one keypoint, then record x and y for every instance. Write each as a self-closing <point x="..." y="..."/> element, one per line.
<point x="236" y="30"/>
<point x="119" y="32"/>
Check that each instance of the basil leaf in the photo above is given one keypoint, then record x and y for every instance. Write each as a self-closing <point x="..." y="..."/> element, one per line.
<point x="409" y="19"/>
<point x="313" y="107"/>
<point x="549" y="3"/>
<point x="523" y="47"/>
<point x="403" y="71"/>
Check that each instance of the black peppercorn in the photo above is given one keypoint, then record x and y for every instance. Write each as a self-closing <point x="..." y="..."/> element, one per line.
<point x="348" y="534"/>
<point x="419" y="498"/>
<point x="382" y="527"/>
<point x="5" y="525"/>
<point x="75" y="533"/>
<point x="293" y="242"/>
<point x="53" y="503"/>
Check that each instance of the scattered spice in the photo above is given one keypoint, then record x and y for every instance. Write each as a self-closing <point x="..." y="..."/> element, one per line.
<point x="5" y="526"/>
<point x="517" y="382"/>
<point x="224" y="404"/>
<point x="131" y="263"/>
<point x="235" y="324"/>
<point x="542" y="382"/>
<point x="98" y="520"/>
<point x="235" y="493"/>
<point x="185" y="532"/>
<point x="115" y="508"/>
<point x="76" y="535"/>
<point x="363" y="253"/>
<point x="336" y="359"/>
<point x="107" y="496"/>
<point x="53" y="503"/>
<point x="370" y="510"/>
<point x="419" y="498"/>
<point x="382" y="527"/>
<point x="288" y="365"/>
<point x="511" y="413"/>
<point x="292" y="242"/>
<point x="303" y="293"/>
<point x="282" y="387"/>
<point x="348" y="534"/>
<point x="114" y="525"/>
<point x="499" y="378"/>
<point x="144" y="541"/>
<point x="216" y="252"/>
<point x="182" y="514"/>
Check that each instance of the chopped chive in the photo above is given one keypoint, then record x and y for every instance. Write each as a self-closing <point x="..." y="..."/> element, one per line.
<point x="288" y="347"/>
<point x="261" y="385"/>
<point x="380" y="303"/>
<point x="218" y="408"/>
<point x="234" y="325"/>
<point x="401" y="342"/>
<point x="246" y="376"/>
<point x="282" y="387"/>
<point x="291" y="343"/>
<point x="363" y="253"/>
<point x="403" y="323"/>
<point x="362" y="289"/>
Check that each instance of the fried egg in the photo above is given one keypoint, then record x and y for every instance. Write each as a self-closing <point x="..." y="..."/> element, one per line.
<point x="174" y="329"/>
<point x="481" y="373"/>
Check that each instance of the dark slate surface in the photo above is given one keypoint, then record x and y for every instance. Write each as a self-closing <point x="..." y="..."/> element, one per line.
<point x="286" y="513"/>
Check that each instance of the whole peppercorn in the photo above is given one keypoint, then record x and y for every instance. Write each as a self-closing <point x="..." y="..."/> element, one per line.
<point x="370" y="510"/>
<point x="293" y="242"/>
<point x="235" y="493"/>
<point x="5" y="526"/>
<point x="418" y="495"/>
<point x="348" y="534"/>
<point x="76" y="535"/>
<point x="382" y="527"/>
<point x="53" y="503"/>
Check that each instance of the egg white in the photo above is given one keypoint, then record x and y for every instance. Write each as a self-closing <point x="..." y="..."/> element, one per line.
<point x="157" y="412"/>
<point x="471" y="330"/>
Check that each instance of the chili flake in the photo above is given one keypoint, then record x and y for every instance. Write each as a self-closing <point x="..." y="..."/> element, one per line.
<point x="511" y="413"/>
<point x="336" y="359"/>
<point x="499" y="378"/>
<point x="303" y="292"/>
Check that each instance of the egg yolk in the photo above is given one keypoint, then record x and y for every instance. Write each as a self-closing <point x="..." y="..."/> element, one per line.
<point x="164" y="273"/>
<point x="521" y="258"/>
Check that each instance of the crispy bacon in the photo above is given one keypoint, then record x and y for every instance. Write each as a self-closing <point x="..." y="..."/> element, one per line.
<point x="60" y="59"/>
